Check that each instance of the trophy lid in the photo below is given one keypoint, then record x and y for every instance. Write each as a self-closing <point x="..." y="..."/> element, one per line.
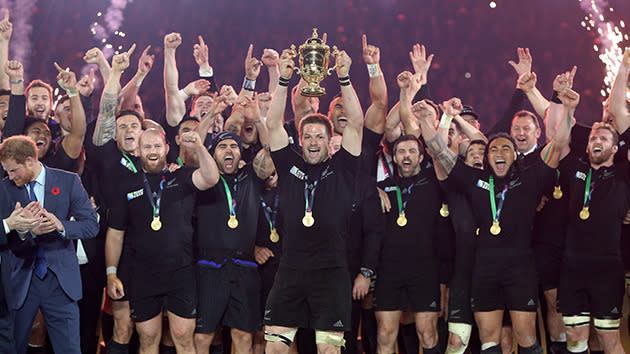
<point x="314" y="38"/>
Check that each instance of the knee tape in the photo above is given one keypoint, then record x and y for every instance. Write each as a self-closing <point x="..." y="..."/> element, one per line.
<point x="462" y="330"/>
<point x="606" y="324"/>
<point x="578" y="346"/>
<point x="286" y="337"/>
<point x="323" y="337"/>
<point x="580" y="320"/>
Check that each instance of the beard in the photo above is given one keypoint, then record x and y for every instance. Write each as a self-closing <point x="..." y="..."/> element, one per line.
<point x="603" y="156"/>
<point x="153" y="166"/>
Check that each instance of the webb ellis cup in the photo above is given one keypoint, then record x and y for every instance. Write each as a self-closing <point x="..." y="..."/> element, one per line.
<point x="313" y="60"/>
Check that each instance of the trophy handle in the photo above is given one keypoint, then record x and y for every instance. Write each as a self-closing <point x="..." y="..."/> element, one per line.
<point x="335" y="51"/>
<point x="292" y="51"/>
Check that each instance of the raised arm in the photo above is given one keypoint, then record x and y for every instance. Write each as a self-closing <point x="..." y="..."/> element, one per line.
<point x="96" y="56"/>
<point x="434" y="142"/>
<point x="618" y="105"/>
<point x="207" y="175"/>
<point x="353" y="134"/>
<point x="451" y="109"/>
<point x="558" y="146"/>
<point x="262" y="164"/>
<point x="409" y="84"/>
<point x="376" y="113"/>
<point x="6" y="28"/>
<point x="278" y="137"/>
<point x="73" y="142"/>
<point x="271" y="59"/>
<point x="392" y="124"/>
<point x="130" y="91"/>
<point x="252" y="70"/>
<point x="14" y="124"/>
<point x="175" y="101"/>
<point x="562" y="81"/>
<point x="105" y="128"/>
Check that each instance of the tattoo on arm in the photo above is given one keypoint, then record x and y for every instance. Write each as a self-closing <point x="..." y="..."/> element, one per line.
<point x="106" y="124"/>
<point x="443" y="154"/>
<point x="260" y="162"/>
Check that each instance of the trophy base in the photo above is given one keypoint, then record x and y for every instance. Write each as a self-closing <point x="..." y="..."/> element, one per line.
<point x="313" y="91"/>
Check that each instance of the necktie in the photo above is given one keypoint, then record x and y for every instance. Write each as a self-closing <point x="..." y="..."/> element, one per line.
<point x="40" y="258"/>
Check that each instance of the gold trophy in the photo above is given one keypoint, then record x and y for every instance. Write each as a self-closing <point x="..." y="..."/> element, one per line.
<point x="314" y="59"/>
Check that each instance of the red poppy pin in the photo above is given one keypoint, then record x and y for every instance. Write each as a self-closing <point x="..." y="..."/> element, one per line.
<point x="55" y="190"/>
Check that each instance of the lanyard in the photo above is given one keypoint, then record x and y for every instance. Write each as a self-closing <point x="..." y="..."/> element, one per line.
<point x="133" y="167"/>
<point x="588" y="189"/>
<point x="271" y="212"/>
<point x="155" y="203"/>
<point x="231" y="201"/>
<point x="496" y="212"/>
<point x="402" y="205"/>
<point x="309" y="195"/>
<point x="179" y="161"/>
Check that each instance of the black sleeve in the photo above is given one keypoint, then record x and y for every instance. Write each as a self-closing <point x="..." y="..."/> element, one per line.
<point x="117" y="218"/>
<point x="15" y="117"/>
<point x="213" y="84"/>
<point x="373" y="225"/>
<point x="86" y="101"/>
<point x="346" y="161"/>
<point x="282" y="160"/>
<point x="421" y="94"/>
<point x="517" y="103"/>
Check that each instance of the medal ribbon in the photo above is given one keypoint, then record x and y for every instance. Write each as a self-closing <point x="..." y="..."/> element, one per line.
<point x="402" y="205"/>
<point x="179" y="161"/>
<point x="133" y="167"/>
<point x="271" y="213"/>
<point x="228" y="193"/>
<point x="496" y="212"/>
<point x="155" y="203"/>
<point x="309" y="192"/>
<point x="588" y="189"/>
<point x="557" y="177"/>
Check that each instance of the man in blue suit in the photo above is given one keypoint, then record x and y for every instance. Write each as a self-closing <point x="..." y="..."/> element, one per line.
<point x="44" y="268"/>
<point x="22" y="219"/>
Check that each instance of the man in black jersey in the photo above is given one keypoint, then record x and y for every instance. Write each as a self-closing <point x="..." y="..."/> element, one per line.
<point x="154" y="210"/>
<point x="508" y="280"/>
<point x="312" y="287"/>
<point x="227" y="219"/>
<point x="408" y="267"/>
<point x="591" y="283"/>
<point x="110" y="158"/>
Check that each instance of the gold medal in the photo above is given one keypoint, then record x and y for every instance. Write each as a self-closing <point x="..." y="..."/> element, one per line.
<point x="232" y="223"/>
<point x="273" y="236"/>
<point x="495" y="229"/>
<point x="584" y="213"/>
<point x="402" y="220"/>
<point x="557" y="192"/>
<point x="308" y="219"/>
<point x="444" y="210"/>
<point x="156" y="224"/>
<point x="477" y="232"/>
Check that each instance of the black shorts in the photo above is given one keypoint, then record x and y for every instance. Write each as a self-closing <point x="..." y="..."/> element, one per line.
<point x="625" y="246"/>
<point x="548" y="263"/>
<point x="229" y="295"/>
<point x="320" y="299"/>
<point x="416" y="289"/>
<point x="179" y="298"/>
<point x="267" y="273"/>
<point x="501" y="282"/>
<point x="594" y="287"/>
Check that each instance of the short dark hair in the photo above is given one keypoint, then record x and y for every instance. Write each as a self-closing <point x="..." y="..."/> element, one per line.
<point x="408" y="137"/>
<point x="128" y="112"/>
<point x="316" y="118"/>
<point x="18" y="148"/>
<point x="475" y="142"/>
<point x="499" y="136"/>
<point x="62" y="99"/>
<point x="529" y="114"/>
<point x="39" y="83"/>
